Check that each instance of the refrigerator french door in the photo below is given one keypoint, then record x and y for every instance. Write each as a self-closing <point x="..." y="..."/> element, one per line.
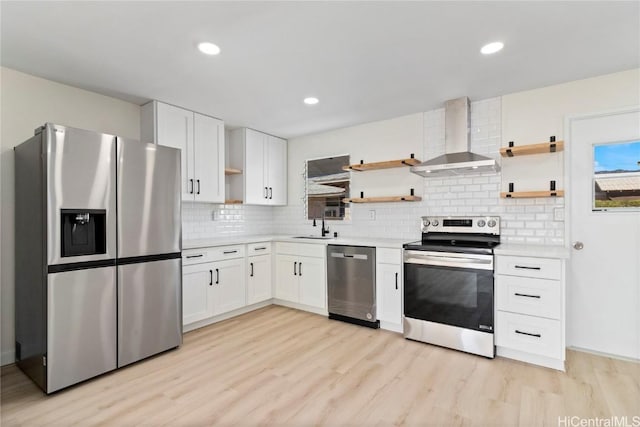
<point x="149" y="258"/>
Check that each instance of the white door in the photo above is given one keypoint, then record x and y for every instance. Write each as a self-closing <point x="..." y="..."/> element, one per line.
<point x="175" y="129"/>
<point x="197" y="281"/>
<point x="259" y="279"/>
<point x="389" y="297"/>
<point x="603" y="295"/>
<point x="256" y="190"/>
<point x="311" y="276"/>
<point x="229" y="286"/>
<point x="277" y="171"/>
<point x="208" y="141"/>
<point x="286" y="287"/>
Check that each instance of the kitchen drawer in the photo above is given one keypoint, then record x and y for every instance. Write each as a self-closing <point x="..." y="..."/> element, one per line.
<point x="261" y="248"/>
<point x="197" y="256"/>
<point x="524" y="295"/>
<point x="388" y="256"/>
<point x="228" y="252"/>
<point x="302" y="249"/>
<point x="541" y="268"/>
<point x="529" y="334"/>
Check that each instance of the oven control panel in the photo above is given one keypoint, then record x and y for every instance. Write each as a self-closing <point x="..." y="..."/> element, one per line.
<point x="458" y="224"/>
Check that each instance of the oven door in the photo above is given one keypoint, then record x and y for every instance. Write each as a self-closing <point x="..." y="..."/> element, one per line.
<point x="450" y="288"/>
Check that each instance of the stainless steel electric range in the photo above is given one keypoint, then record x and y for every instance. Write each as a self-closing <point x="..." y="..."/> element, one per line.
<point x="448" y="283"/>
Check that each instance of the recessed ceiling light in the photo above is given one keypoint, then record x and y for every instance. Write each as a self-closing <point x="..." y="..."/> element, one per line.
<point x="311" y="100"/>
<point x="490" y="48"/>
<point x="208" y="48"/>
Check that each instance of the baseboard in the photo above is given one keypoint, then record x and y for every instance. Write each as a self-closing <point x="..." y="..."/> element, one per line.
<point x="393" y="327"/>
<point x="600" y="353"/>
<point x="534" y="359"/>
<point x="7" y="357"/>
<point x="303" y="307"/>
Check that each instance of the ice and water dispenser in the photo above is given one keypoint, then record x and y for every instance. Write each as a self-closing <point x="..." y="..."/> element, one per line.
<point x="83" y="232"/>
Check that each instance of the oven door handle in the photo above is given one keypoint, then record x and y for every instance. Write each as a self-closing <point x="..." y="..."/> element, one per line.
<point x="445" y="261"/>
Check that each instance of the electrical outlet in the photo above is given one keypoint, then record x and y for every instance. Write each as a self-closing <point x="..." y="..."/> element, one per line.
<point x="372" y="214"/>
<point x="558" y="214"/>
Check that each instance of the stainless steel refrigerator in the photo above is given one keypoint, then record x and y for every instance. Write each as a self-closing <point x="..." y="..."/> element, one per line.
<point x="98" y="254"/>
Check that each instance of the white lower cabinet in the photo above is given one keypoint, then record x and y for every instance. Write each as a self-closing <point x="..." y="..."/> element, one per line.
<point x="213" y="282"/>
<point x="259" y="279"/>
<point x="530" y="310"/>
<point x="301" y="274"/>
<point x="389" y="288"/>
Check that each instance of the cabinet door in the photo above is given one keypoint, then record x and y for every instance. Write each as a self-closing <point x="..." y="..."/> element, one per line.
<point x="229" y="286"/>
<point x="312" y="279"/>
<point x="259" y="279"/>
<point x="175" y="129"/>
<point x="286" y="278"/>
<point x="389" y="289"/>
<point x="256" y="191"/>
<point x="208" y="138"/>
<point x="277" y="170"/>
<point x="197" y="284"/>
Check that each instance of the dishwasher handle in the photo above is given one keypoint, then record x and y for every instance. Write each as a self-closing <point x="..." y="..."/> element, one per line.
<point x="362" y="257"/>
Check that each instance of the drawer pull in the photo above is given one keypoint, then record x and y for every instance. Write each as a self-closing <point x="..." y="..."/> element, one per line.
<point x="251" y="264"/>
<point x="195" y="256"/>
<point x="295" y="266"/>
<point x="230" y="252"/>
<point x="527" y="295"/>
<point x="524" y="267"/>
<point x="260" y="249"/>
<point x="210" y="277"/>
<point x="528" y="333"/>
<point x="217" y="276"/>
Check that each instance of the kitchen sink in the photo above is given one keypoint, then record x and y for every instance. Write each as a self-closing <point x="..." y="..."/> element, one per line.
<point x="314" y="237"/>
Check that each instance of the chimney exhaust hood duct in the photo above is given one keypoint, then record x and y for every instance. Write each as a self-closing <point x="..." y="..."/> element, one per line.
<point x="458" y="160"/>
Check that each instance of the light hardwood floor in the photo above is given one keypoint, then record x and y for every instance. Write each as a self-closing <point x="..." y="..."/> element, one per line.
<point x="287" y="367"/>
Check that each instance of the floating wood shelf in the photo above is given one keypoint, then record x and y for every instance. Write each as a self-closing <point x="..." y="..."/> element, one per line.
<point x="361" y="167"/>
<point x="233" y="202"/>
<point x="382" y="199"/>
<point x="523" y="150"/>
<point x="529" y="194"/>
<point x="232" y="171"/>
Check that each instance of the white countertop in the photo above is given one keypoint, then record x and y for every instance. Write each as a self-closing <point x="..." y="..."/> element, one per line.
<point x="240" y="240"/>
<point x="537" y="251"/>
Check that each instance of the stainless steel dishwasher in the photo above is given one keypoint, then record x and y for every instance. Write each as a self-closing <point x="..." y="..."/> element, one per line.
<point x="351" y="277"/>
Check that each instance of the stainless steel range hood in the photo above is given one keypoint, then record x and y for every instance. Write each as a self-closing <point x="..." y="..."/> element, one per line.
<point x="457" y="160"/>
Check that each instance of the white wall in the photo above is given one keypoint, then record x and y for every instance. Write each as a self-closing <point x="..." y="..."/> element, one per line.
<point x="27" y="102"/>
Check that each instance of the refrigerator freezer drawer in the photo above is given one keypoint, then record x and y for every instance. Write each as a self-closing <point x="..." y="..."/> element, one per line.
<point x="81" y="325"/>
<point x="149" y="309"/>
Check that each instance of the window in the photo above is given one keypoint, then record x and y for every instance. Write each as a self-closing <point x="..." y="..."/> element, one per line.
<point x="326" y="185"/>
<point x="616" y="176"/>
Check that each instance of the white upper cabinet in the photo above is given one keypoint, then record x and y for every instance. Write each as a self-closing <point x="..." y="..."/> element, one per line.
<point x="201" y="139"/>
<point x="264" y="164"/>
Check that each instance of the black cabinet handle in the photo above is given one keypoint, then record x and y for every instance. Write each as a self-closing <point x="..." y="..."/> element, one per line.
<point x="230" y="252"/>
<point x="251" y="265"/>
<point x="527" y="295"/>
<point x="191" y="182"/>
<point x="195" y="256"/>
<point x="217" y="276"/>
<point x="524" y="267"/>
<point x="295" y="265"/>
<point x="198" y="181"/>
<point x="210" y="277"/>
<point x="270" y="193"/>
<point x="260" y="249"/>
<point x="299" y="269"/>
<point x="528" y="333"/>
<point x="266" y="192"/>
<point x="396" y="280"/>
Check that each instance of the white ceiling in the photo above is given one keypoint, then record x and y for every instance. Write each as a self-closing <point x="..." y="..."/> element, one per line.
<point x="366" y="61"/>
